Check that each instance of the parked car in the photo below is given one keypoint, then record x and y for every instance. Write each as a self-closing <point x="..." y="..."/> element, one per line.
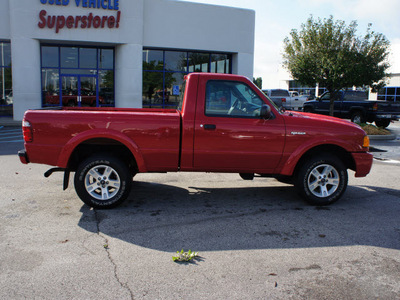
<point x="355" y="105"/>
<point x="282" y="98"/>
<point x="301" y="97"/>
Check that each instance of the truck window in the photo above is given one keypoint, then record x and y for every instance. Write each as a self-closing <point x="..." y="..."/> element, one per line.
<point x="279" y="93"/>
<point x="231" y="99"/>
<point x="355" y="95"/>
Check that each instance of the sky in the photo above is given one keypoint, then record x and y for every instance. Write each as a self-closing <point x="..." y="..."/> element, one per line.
<point x="275" y="20"/>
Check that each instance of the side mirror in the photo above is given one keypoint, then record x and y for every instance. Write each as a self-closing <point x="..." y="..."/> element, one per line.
<point x="265" y="112"/>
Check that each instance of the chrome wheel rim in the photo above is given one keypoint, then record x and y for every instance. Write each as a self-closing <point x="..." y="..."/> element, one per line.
<point x="102" y="182"/>
<point x="357" y="119"/>
<point x="323" y="181"/>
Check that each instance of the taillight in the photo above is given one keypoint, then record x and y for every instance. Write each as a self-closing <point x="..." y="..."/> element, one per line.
<point x="27" y="131"/>
<point x="283" y="99"/>
<point x="375" y="107"/>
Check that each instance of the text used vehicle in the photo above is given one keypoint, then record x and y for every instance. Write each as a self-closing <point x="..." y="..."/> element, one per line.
<point x="224" y="123"/>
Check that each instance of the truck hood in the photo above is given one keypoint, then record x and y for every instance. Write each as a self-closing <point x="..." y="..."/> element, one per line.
<point x="328" y="121"/>
<point x="313" y="129"/>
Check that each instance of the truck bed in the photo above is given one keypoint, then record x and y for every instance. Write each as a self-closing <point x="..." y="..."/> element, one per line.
<point x="154" y="133"/>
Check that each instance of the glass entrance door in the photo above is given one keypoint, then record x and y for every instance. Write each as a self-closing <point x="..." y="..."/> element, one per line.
<point x="79" y="90"/>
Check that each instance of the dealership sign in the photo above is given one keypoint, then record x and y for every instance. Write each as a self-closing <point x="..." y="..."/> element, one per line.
<point x="88" y="20"/>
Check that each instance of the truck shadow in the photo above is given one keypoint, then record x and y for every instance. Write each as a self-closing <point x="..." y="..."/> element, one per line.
<point x="169" y="218"/>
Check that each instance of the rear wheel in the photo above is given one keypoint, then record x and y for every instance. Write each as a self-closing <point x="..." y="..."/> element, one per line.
<point x="102" y="181"/>
<point x="382" y="123"/>
<point x="322" y="180"/>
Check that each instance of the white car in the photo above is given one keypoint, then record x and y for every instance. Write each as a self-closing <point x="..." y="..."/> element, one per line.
<point x="285" y="99"/>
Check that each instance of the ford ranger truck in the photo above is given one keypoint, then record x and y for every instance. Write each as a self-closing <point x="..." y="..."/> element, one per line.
<point x="223" y="123"/>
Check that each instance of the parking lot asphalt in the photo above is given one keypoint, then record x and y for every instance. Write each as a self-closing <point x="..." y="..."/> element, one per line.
<point x="387" y="149"/>
<point x="256" y="239"/>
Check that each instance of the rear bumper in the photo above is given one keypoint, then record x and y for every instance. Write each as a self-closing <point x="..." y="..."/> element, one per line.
<point x="363" y="163"/>
<point x="23" y="157"/>
<point x="393" y="117"/>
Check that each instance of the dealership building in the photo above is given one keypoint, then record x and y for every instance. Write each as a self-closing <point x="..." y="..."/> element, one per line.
<point x="119" y="53"/>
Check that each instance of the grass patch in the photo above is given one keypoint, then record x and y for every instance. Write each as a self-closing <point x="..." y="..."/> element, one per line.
<point x="185" y="256"/>
<point x="373" y="130"/>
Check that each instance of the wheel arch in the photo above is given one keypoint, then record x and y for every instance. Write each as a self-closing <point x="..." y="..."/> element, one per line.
<point x="329" y="149"/>
<point x="87" y="144"/>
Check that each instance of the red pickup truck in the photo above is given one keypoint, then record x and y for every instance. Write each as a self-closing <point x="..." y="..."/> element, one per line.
<point x="224" y="123"/>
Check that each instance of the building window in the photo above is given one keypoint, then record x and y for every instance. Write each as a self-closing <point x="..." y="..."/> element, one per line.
<point x="164" y="72"/>
<point x="305" y="90"/>
<point x="77" y="76"/>
<point x="6" y="99"/>
<point x="389" y="93"/>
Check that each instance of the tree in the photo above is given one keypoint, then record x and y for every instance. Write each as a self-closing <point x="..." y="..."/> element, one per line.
<point x="258" y="82"/>
<point x="330" y="53"/>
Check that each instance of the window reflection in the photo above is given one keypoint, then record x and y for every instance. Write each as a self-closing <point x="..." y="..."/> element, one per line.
<point x="6" y="93"/>
<point x="152" y="83"/>
<point x="87" y="72"/>
<point x="106" y="58"/>
<point x="50" y="87"/>
<point x="198" y="62"/>
<point x="152" y="59"/>
<point x="50" y="57"/>
<point x="69" y="57"/>
<point x="106" y="86"/>
<point x="164" y="71"/>
<point x="87" y="58"/>
<point x="176" y="61"/>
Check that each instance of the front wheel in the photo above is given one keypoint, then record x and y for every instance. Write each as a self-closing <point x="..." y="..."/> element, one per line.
<point x="322" y="180"/>
<point x="357" y="117"/>
<point x="102" y="181"/>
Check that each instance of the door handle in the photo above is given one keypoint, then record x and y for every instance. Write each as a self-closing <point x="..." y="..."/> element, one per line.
<point x="209" y="126"/>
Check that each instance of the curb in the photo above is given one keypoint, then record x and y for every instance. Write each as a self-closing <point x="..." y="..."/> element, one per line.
<point x="387" y="137"/>
<point x="5" y="121"/>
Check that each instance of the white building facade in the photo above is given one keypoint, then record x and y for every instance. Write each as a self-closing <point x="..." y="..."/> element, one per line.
<point x="122" y="53"/>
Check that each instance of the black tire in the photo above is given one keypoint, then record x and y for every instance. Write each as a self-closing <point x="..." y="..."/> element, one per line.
<point x="307" y="109"/>
<point x="103" y="181"/>
<point x="382" y="123"/>
<point x="322" y="180"/>
<point x="357" y="117"/>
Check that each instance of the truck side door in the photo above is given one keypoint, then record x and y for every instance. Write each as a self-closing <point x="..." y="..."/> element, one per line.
<point x="322" y="106"/>
<point x="229" y="133"/>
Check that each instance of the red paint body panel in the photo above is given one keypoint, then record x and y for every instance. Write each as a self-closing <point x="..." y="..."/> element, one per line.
<point x="173" y="140"/>
<point x="151" y="135"/>
<point x="246" y="145"/>
<point x="363" y="163"/>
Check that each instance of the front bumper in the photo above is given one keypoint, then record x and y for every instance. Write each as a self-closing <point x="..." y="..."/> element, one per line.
<point x="23" y="157"/>
<point x="363" y="163"/>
